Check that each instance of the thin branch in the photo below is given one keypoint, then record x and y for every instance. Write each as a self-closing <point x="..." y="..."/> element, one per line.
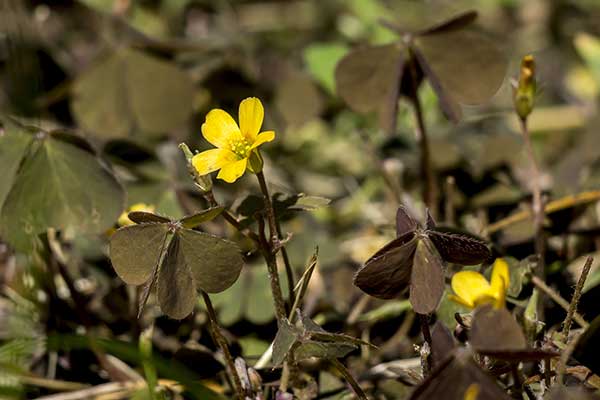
<point x="222" y="343"/>
<point x="350" y="379"/>
<point x="558" y="299"/>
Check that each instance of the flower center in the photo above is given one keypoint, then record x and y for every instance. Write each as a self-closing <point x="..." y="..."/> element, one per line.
<point x="240" y="147"/>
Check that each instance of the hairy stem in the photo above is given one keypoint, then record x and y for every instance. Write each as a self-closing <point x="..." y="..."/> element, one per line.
<point x="271" y="260"/>
<point x="424" y="322"/>
<point x="558" y="299"/>
<point x="350" y="379"/>
<point x="576" y="296"/>
<point x="221" y="342"/>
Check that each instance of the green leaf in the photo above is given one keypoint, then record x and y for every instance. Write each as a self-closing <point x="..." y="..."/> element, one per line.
<point x="321" y="59"/>
<point x="287" y="335"/>
<point x="322" y="350"/>
<point x="310" y="203"/>
<point x="175" y="286"/>
<point x="135" y="251"/>
<point x="48" y="193"/>
<point x="215" y="262"/>
<point x="193" y="221"/>
<point x="13" y="145"/>
<point x="129" y="91"/>
<point x="143" y="217"/>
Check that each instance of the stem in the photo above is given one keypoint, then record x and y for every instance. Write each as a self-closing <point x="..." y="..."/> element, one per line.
<point x="220" y="341"/>
<point x="429" y="189"/>
<point x="424" y="322"/>
<point x="273" y="274"/>
<point x="289" y="271"/>
<point x="558" y="299"/>
<point x="350" y="379"/>
<point x="269" y="210"/>
<point x="576" y="297"/>
<point x="537" y="206"/>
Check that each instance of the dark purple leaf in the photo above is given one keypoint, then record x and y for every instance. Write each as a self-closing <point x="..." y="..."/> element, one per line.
<point x="457" y="22"/>
<point x="386" y="274"/>
<point x="427" y="278"/>
<point x="404" y="222"/>
<point x="459" y="248"/>
<point x="495" y="330"/>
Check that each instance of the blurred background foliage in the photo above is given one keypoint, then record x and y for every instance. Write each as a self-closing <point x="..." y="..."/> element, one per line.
<point x="135" y="78"/>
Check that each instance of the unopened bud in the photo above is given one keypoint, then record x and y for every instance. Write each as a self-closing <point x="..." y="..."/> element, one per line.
<point x="524" y="96"/>
<point x="204" y="182"/>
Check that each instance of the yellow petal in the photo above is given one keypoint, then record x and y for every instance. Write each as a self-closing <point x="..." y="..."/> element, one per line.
<point x="251" y="114"/>
<point x="263" y="137"/>
<point x="469" y="286"/>
<point x="460" y="301"/>
<point x="220" y="129"/>
<point x="500" y="277"/>
<point x="232" y="171"/>
<point x="212" y="160"/>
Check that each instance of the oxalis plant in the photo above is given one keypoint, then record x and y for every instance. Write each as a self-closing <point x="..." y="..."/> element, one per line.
<point x="176" y="265"/>
<point x="181" y="260"/>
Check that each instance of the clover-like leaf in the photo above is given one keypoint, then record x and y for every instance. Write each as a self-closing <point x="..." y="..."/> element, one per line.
<point x="463" y="66"/>
<point x="129" y="91"/>
<point x="179" y="260"/>
<point x="367" y="78"/>
<point x="176" y="289"/>
<point x="215" y="262"/>
<point x="13" y="146"/>
<point x="427" y="278"/>
<point x="386" y="274"/>
<point x="495" y="333"/>
<point x="415" y="260"/>
<point x="46" y="190"/>
<point x="135" y="251"/>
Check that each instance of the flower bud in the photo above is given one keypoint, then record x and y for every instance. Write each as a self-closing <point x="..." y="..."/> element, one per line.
<point x="524" y="95"/>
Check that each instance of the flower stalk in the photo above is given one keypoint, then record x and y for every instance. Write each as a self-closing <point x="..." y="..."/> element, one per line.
<point x="221" y="342"/>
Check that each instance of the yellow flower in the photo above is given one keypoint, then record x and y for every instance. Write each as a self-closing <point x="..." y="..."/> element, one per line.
<point x="472" y="289"/>
<point x="124" y="218"/>
<point x="472" y="391"/>
<point x="235" y="145"/>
